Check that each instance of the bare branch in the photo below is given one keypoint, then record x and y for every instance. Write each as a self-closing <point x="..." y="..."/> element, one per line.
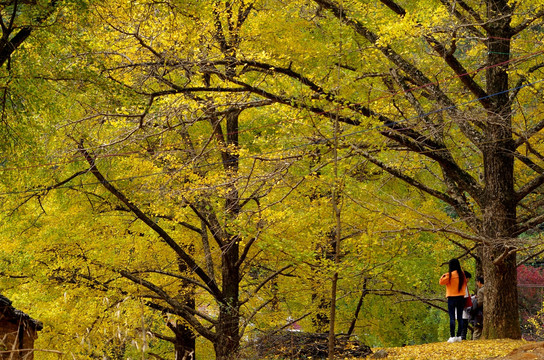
<point x="510" y="250"/>
<point x="466" y="22"/>
<point x="265" y="281"/>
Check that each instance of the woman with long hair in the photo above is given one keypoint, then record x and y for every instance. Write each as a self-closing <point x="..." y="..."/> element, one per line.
<point x="456" y="284"/>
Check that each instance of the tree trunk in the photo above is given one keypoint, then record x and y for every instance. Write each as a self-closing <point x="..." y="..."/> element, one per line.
<point x="501" y="318"/>
<point x="228" y="325"/>
<point x="499" y="221"/>
<point x="185" y="342"/>
<point x="498" y="203"/>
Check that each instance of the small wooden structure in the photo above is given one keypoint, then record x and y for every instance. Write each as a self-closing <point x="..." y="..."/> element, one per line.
<point x="17" y="332"/>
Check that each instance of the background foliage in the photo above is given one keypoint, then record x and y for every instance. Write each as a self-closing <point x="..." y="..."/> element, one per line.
<point x="144" y="87"/>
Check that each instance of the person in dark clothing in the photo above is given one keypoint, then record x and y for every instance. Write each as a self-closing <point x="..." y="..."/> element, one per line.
<point x="478" y="312"/>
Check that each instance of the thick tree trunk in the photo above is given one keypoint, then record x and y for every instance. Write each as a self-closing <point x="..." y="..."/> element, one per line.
<point x="499" y="261"/>
<point x="498" y="203"/>
<point x="499" y="221"/>
<point x="501" y="318"/>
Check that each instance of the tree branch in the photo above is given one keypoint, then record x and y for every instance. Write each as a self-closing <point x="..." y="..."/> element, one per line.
<point x="530" y="257"/>
<point x="533" y="131"/>
<point x="390" y="292"/>
<point x="153" y="225"/>
<point x="527" y="22"/>
<point x="394" y="6"/>
<point x="403" y="64"/>
<point x="202" y="330"/>
<point x="529" y="187"/>
<point x="182" y="223"/>
<point x="177" y="276"/>
<point x="409" y="180"/>
<point x="472" y="12"/>
<point x="265" y="281"/>
<point x="439" y="153"/>
<point x="528" y="224"/>
<point x="466" y="22"/>
<point x="461" y="72"/>
<point x="507" y="252"/>
<point x="185" y="311"/>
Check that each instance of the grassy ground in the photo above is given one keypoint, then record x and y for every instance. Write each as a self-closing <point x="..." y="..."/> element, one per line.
<point x="466" y="350"/>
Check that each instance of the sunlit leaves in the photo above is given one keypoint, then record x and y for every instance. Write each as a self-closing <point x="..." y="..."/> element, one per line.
<point x="474" y="350"/>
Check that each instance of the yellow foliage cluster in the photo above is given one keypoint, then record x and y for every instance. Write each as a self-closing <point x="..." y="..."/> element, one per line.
<point x="466" y="350"/>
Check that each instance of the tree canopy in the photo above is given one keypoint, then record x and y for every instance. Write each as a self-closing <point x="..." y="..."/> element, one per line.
<point x="183" y="173"/>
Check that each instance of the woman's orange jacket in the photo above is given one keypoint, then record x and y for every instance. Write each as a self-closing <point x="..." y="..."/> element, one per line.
<point x="452" y="284"/>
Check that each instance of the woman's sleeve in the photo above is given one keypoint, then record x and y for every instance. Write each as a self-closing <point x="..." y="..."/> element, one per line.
<point x="444" y="279"/>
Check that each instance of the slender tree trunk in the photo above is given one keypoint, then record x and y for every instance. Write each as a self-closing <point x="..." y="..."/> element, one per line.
<point x="358" y="309"/>
<point x="320" y="317"/>
<point x="185" y="340"/>
<point x="337" y="235"/>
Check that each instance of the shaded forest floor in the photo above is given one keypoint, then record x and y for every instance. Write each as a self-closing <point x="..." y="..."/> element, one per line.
<point x="504" y="349"/>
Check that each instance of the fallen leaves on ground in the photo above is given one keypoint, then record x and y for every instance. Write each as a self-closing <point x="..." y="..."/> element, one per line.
<point x="466" y="350"/>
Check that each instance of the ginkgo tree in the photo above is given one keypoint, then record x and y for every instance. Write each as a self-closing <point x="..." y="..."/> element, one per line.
<point x="455" y="96"/>
<point x="18" y="21"/>
<point x="196" y="118"/>
<point x="144" y="109"/>
<point x="211" y="196"/>
<point x="453" y="87"/>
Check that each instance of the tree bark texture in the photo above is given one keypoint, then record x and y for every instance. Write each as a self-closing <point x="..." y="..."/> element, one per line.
<point x="501" y="318"/>
<point x="185" y="341"/>
<point x="228" y="325"/>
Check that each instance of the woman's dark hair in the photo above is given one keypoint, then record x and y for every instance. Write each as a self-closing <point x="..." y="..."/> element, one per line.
<point x="454" y="265"/>
<point x="467" y="275"/>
